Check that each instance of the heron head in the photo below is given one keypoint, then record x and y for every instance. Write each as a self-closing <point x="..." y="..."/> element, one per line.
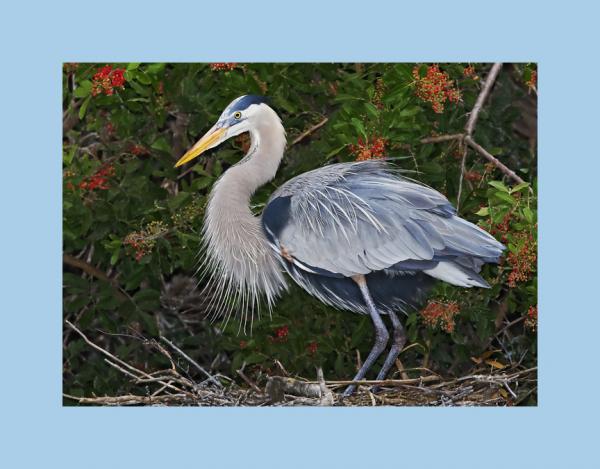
<point x="238" y="117"/>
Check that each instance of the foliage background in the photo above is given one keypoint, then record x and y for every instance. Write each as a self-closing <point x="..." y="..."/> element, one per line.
<point x="132" y="222"/>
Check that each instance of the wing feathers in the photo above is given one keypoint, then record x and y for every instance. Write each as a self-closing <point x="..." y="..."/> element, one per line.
<point x="356" y="218"/>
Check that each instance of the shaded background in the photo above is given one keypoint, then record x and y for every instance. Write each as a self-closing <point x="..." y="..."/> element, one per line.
<point x="131" y="222"/>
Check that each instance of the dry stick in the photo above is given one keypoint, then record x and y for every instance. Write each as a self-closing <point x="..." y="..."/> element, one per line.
<point x="442" y="138"/>
<point x="93" y="271"/>
<point x="470" y="126"/>
<point x="487" y="155"/>
<point x="127" y="399"/>
<point x="326" y="394"/>
<point x="382" y="382"/>
<point x="192" y="361"/>
<point x="250" y="383"/>
<point x="306" y="133"/>
<point x="116" y="359"/>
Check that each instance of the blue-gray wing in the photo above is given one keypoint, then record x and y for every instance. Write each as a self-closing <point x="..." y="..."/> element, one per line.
<point x="356" y="218"/>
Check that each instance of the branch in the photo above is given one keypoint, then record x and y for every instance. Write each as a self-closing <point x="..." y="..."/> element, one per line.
<point x="492" y="159"/>
<point x="312" y="129"/>
<point x="93" y="271"/>
<point x="442" y="138"/>
<point x="483" y="94"/>
<point x="125" y="365"/>
<point x="470" y="126"/>
<point x="467" y="136"/>
<point x="193" y="362"/>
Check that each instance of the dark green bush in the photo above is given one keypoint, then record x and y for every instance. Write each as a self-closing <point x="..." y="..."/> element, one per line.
<point x="132" y="221"/>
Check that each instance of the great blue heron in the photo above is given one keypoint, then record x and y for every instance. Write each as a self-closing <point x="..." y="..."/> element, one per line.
<point x="358" y="236"/>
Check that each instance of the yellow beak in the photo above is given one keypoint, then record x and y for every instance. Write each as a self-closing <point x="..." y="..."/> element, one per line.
<point x="206" y="142"/>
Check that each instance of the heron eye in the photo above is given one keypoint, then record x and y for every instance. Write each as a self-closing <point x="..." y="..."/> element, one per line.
<point x="237" y="115"/>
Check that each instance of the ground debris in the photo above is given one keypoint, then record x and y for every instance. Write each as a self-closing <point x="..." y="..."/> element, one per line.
<point x="485" y="386"/>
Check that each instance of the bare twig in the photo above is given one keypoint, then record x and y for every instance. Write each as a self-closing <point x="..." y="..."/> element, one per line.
<point x="492" y="159"/>
<point x="192" y="361"/>
<point x="466" y="138"/>
<point x="326" y="394"/>
<point x="248" y="381"/>
<point x="442" y="138"/>
<point x="470" y="126"/>
<point x="129" y="399"/>
<point x="93" y="271"/>
<point x="118" y="360"/>
<point x="306" y="133"/>
<point x="483" y="94"/>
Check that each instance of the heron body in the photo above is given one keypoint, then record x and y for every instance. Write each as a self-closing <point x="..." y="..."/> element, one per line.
<point x="358" y="236"/>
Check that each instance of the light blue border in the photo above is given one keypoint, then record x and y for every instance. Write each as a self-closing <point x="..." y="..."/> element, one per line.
<point x="38" y="433"/>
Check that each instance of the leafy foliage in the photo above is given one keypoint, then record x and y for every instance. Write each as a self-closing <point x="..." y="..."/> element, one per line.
<point x="134" y="220"/>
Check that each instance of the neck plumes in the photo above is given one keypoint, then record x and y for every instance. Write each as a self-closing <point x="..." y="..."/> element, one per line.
<point x="242" y="266"/>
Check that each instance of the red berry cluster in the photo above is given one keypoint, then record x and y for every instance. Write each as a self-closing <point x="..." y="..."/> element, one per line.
<point x="312" y="348"/>
<point x="369" y="149"/>
<point x="107" y="79"/>
<point x="532" y="82"/>
<point x="439" y="314"/>
<point x="281" y="334"/>
<point x="531" y="320"/>
<point x="378" y="95"/>
<point x="473" y="176"/>
<point x="110" y="129"/>
<point x="469" y="72"/>
<point x="499" y="230"/>
<point x="435" y="87"/>
<point x="243" y="141"/>
<point x="136" y="241"/>
<point x="143" y="241"/>
<point x="523" y="262"/>
<point x="223" y="67"/>
<point x="138" y="150"/>
<point x="98" y="180"/>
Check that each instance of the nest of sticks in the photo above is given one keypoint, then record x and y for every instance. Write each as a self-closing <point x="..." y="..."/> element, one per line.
<point x="173" y="386"/>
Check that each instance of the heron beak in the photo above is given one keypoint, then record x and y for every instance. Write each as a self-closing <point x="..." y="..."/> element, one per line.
<point x="211" y="139"/>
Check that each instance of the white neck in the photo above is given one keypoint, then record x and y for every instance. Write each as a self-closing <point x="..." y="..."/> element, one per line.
<point x="237" y="249"/>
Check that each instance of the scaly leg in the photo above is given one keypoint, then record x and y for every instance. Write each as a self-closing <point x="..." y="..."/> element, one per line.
<point x="381" y="334"/>
<point x="398" y="341"/>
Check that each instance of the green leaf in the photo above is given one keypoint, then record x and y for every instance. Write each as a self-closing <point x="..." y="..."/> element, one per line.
<point x="483" y="212"/>
<point x="499" y="185"/>
<point x="372" y="109"/>
<point x="132" y="65"/>
<point x="528" y="214"/>
<point x="83" y="90"/>
<point x="519" y="187"/>
<point x="358" y="125"/>
<point x="83" y="108"/>
<point x="177" y="201"/>
<point x="410" y="111"/>
<point x="506" y="197"/>
<point x="68" y="156"/>
<point x="335" y="151"/>
<point x="161" y="144"/>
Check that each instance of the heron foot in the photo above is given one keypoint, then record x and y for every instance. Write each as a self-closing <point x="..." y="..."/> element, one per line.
<point x="349" y="391"/>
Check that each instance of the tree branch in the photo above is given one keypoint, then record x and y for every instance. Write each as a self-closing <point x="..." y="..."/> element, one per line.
<point x="492" y="159"/>
<point x="93" y="271"/>
<point x="470" y="126"/>
<point x="466" y="138"/>
<point x="312" y="129"/>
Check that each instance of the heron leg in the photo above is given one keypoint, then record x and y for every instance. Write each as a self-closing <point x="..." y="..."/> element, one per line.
<point x="381" y="334"/>
<point x="398" y="341"/>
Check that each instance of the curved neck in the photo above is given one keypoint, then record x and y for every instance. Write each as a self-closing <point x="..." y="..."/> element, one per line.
<point x="237" y="248"/>
<point x="259" y="166"/>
